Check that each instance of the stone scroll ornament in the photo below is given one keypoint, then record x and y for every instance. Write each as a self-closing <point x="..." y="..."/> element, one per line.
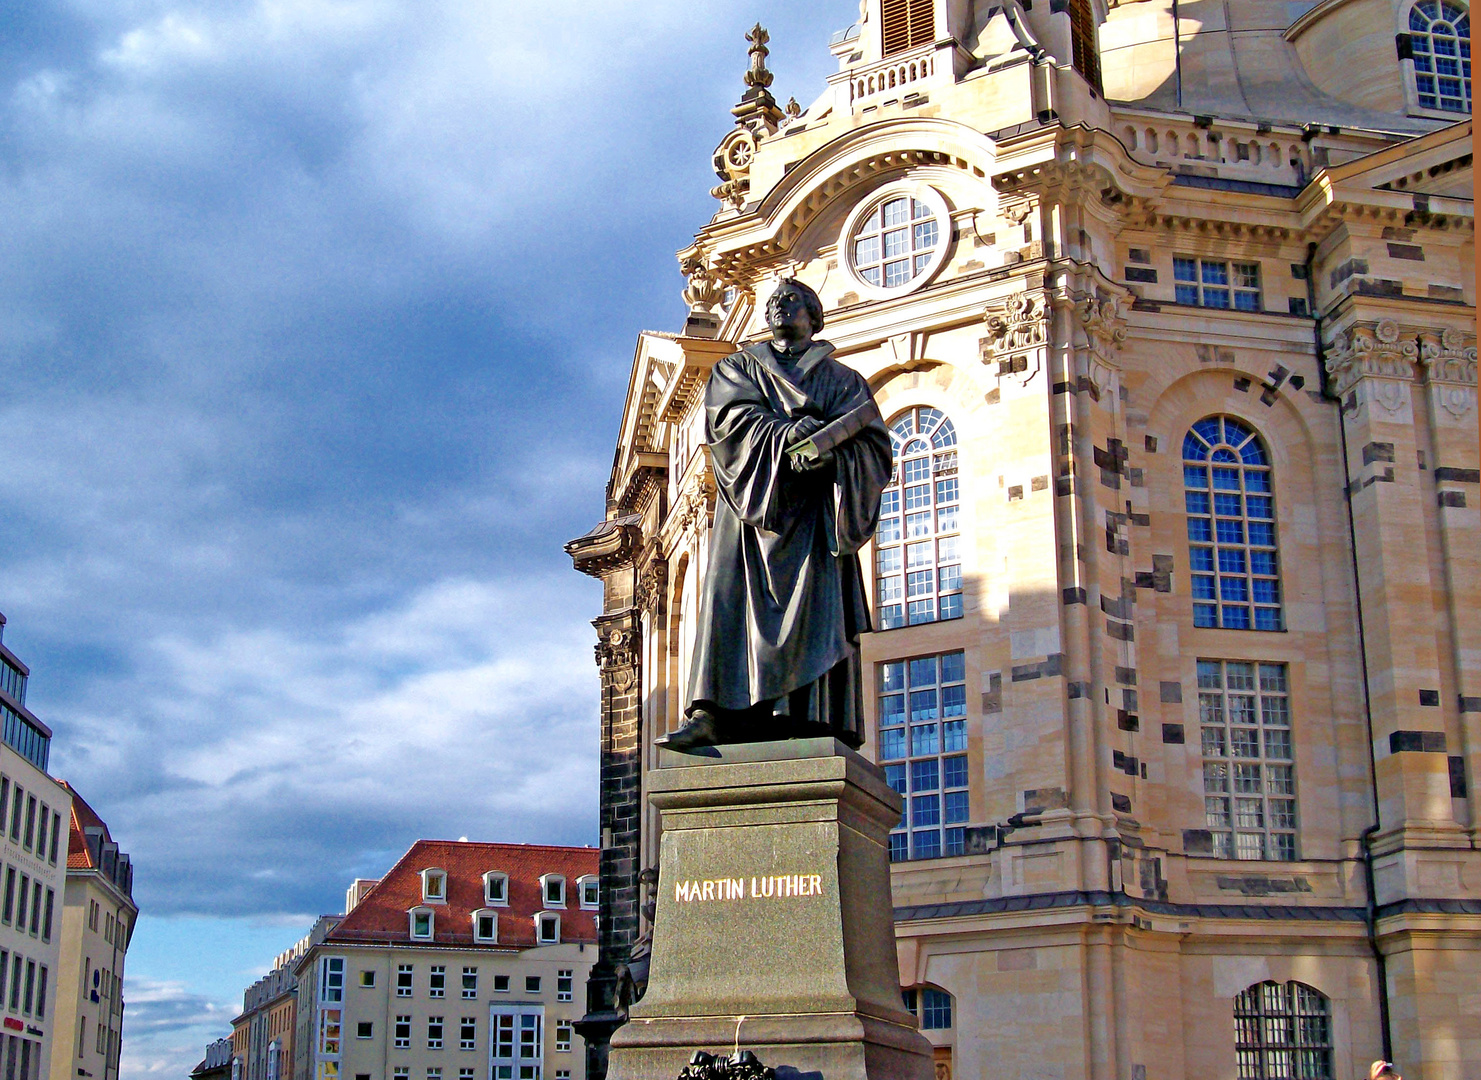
<point x="741" y="1065"/>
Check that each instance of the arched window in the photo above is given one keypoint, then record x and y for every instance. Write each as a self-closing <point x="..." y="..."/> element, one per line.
<point x="917" y="551"/>
<point x="1283" y="1030"/>
<point x="1231" y="527"/>
<point x="1440" y="42"/>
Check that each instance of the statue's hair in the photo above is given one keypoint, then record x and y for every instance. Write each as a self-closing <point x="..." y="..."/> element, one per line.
<point x="809" y="300"/>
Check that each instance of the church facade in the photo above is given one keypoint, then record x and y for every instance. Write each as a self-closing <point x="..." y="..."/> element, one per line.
<point x="1170" y="308"/>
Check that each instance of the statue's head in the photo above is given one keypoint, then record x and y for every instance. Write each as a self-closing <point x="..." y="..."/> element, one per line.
<point x="794" y="313"/>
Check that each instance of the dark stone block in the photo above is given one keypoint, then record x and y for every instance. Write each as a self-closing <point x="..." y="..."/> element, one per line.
<point x="1198" y="842"/>
<point x="1378" y="451"/>
<point x="1172" y="733"/>
<point x="1075" y="595"/>
<point x="1171" y="692"/>
<point x="1459" y="476"/>
<point x="1453" y="498"/>
<point x="1120" y="803"/>
<point x="1457" y="777"/>
<point x="1126" y="676"/>
<point x="1430" y="697"/>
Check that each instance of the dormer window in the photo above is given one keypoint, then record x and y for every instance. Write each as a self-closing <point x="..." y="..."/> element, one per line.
<point x="422" y="923"/>
<point x="588" y="889"/>
<point x="553" y="890"/>
<point x="547" y="928"/>
<point x="496" y="889"/>
<point x="434" y="886"/>
<point x="486" y="926"/>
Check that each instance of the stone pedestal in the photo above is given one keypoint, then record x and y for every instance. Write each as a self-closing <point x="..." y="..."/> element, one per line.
<point x="774" y="906"/>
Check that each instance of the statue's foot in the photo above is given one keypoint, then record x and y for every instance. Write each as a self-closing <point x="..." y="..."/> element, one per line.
<point x="701" y="731"/>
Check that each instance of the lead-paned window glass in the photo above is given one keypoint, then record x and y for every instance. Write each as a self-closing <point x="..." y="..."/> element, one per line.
<point x="923" y="749"/>
<point x="918" y="549"/>
<point x="1249" y="770"/>
<point x="1228" y="495"/>
<point x="1440" y="43"/>
<point x="1283" y="1031"/>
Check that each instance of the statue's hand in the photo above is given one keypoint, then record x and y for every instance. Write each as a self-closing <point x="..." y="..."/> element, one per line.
<point x="804" y="427"/>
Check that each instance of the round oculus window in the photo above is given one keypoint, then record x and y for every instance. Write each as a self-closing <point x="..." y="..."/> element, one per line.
<point x="898" y="239"/>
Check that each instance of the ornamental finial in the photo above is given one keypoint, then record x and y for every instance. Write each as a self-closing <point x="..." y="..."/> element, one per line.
<point x="756" y="74"/>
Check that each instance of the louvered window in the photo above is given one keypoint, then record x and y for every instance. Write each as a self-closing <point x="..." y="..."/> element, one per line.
<point x="907" y="23"/>
<point x="1084" y="54"/>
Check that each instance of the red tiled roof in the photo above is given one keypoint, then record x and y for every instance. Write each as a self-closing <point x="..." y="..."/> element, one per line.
<point x="83" y="817"/>
<point x="381" y="916"/>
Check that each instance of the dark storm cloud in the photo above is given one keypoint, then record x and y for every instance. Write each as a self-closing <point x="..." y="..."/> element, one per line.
<point x="315" y="322"/>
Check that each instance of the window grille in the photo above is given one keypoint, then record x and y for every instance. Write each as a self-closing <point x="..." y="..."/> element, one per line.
<point x="906" y="24"/>
<point x="893" y="244"/>
<point x="918" y="548"/>
<point x="1283" y="1030"/>
<point x="1440" y="43"/>
<point x="1249" y="781"/>
<point x="1230" y="503"/>
<point x="1215" y="284"/>
<point x="923" y="748"/>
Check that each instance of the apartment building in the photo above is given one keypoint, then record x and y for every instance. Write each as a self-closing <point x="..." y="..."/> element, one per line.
<point x="262" y="1036"/>
<point x="97" y="922"/>
<point x="33" y="851"/>
<point x="462" y="963"/>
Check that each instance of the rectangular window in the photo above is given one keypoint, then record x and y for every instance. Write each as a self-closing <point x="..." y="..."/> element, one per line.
<point x="532" y="984"/>
<point x="30" y="987"/>
<point x="27" y="843"/>
<point x="35" y="909"/>
<point x="332" y="979"/>
<point x="400" y="1071"/>
<point x="564" y="984"/>
<point x="590" y="893"/>
<point x="364" y="1029"/>
<point x="17" y="966"/>
<point x="329" y="1031"/>
<point x="563" y="1036"/>
<point x="1217" y="284"/>
<point x="1248" y="762"/>
<point x="923" y="743"/>
<point x="402" y="1035"/>
<point x="468" y="1033"/>
<point x="403" y="980"/>
<point x="17" y="812"/>
<point x="23" y="896"/>
<point x="367" y="979"/>
<point x="9" y="909"/>
<point x="4" y="797"/>
<point x="465" y="1073"/>
<point x="470" y="982"/>
<point x="5" y="970"/>
<point x="501" y="984"/>
<point x="42" y="821"/>
<point x="434" y="1033"/>
<point x="486" y="926"/>
<point x="437" y="981"/>
<point x="434" y="1072"/>
<point x="56" y="831"/>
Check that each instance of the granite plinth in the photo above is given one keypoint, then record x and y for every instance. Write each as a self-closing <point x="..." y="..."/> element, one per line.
<point x="774" y="906"/>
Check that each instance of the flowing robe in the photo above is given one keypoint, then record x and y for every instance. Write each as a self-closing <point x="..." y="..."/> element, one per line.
<point x="783" y="602"/>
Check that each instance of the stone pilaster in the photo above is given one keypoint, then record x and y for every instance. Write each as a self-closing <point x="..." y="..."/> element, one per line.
<point x="1372" y="370"/>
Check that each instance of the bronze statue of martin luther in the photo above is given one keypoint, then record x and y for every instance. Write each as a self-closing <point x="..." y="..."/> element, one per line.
<point x="800" y="455"/>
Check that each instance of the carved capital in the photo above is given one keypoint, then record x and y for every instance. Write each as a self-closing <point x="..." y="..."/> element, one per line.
<point x="652" y="586"/>
<point x="695" y="504"/>
<point x="617" y="649"/>
<point x="1449" y="361"/>
<point x="1376" y="356"/>
<point x="1014" y="323"/>
<point x="1105" y="332"/>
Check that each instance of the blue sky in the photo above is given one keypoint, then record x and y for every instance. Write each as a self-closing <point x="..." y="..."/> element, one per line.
<point x="315" y="321"/>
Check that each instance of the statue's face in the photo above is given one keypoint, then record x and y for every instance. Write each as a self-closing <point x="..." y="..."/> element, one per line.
<point x="786" y="314"/>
